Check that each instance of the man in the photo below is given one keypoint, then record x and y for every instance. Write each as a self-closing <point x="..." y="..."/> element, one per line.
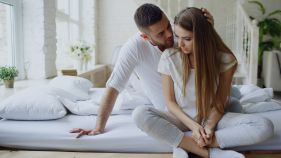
<point x="141" y="55"/>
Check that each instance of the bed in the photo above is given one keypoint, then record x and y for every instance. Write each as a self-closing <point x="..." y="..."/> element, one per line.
<point x="121" y="135"/>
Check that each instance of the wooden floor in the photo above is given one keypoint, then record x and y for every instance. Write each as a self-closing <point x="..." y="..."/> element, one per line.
<point x="54" y="154"/>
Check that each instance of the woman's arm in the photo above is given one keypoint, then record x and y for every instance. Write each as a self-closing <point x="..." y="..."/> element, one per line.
<point x="176" y="110"/>
<point x="223" y="91"/>
<point x="173" y="107"/>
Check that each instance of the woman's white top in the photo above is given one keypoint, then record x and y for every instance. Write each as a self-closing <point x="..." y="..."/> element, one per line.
<point x="171" y="64"/>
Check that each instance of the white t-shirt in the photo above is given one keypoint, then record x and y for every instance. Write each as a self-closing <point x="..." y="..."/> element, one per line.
<point x="141" y="57"/>
<point x="171" y="64"/>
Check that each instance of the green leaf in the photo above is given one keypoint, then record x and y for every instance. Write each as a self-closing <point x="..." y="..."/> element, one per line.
<point x="261" y="7"/>
<point x="266" y="45"/>
<point x="274" y="12"/>
<point x="273" y="27"/>
<point x="270" y="26"/>
<point x="8" y="72"/>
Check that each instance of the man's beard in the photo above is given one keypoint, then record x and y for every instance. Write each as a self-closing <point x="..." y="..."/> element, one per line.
<point x="161" y="45"/>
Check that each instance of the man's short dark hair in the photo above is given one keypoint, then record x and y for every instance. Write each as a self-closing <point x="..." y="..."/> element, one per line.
<point x="147" y="15"/>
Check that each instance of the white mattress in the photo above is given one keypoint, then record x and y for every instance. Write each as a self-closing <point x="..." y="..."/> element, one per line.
<point x="121" y="136"/>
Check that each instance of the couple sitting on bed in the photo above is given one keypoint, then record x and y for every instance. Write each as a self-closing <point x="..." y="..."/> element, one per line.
<point x="196" y="76"/>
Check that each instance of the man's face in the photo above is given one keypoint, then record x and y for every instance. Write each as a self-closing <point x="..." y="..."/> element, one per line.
<point x="161" y="34"/>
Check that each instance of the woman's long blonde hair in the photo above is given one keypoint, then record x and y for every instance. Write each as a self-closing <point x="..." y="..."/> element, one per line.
<point x="206" y="47"/>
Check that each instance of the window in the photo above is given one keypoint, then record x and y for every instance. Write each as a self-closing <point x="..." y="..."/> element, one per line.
<point x="10" y="34"/>
<point x="6" y="32"/>
<point x="74" y="22"/>
<point x="68" y="28"/>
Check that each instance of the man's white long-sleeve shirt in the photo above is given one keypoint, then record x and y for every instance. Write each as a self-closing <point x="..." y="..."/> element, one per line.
<point x="141" y="57"/>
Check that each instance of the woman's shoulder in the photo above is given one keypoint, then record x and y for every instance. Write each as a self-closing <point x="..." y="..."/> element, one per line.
<point x="168" y="53"/>
<point x="227" y="60"/>
<point x="226" y="57"/>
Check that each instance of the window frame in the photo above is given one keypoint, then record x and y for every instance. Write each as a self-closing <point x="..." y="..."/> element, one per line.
<point x="60" y="15"/>
<point x="66" y="17"/>
<point x="16" y="36"/>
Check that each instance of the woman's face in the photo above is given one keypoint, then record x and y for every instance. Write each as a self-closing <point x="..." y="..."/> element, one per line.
<point x="184" y="39"/>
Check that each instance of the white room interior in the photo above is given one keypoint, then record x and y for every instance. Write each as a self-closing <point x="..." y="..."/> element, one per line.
<point x="35" y="37"/>
<point x="43" y="30"/>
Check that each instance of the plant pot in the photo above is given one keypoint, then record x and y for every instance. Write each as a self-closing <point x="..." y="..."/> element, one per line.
<point x="9" y="83"/>
<point x="78" y="64"/>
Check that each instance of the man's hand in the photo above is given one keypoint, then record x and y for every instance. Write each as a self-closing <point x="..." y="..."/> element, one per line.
<point x="82" y="132"/>
<point x="106" y="107"/>
<point x="208" y="15"/>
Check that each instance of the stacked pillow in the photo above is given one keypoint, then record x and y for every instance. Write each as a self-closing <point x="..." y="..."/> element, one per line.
<point x="125" y="103"/>
<point x="35" y="103"/>
<point x="43" y="103"/>
<point x="77" y="86"/>
<point x="254" y="99"/>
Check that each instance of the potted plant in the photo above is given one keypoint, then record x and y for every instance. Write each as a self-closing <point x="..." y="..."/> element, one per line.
<point x="269" y="32"/>
<point x="81" y="53"/>
<point x="7" y="74"/>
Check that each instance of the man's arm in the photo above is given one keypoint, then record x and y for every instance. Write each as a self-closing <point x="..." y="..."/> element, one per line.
<point x="122" y="71"/>
<point x="107" y="104"/>
<point x="106" y="107"/>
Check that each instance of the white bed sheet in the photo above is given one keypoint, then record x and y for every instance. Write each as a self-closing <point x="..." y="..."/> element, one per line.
<point x="121" y="136"/>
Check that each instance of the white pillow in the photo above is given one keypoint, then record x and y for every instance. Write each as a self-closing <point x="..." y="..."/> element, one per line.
<point x="36" y="103"/>
<point x="77" y="86"/>
<point x="261" y="107"/>
<point x="258" y="95"/>
<point x="246" y="89"/>
<point x="128" y="99"/>
<point x="87" y="107"/>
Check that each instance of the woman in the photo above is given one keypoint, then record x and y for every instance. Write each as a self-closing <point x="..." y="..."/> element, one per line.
<point x="196" y="80"/>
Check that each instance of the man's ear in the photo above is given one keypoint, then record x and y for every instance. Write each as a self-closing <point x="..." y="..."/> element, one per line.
<point x="144" y="36"/>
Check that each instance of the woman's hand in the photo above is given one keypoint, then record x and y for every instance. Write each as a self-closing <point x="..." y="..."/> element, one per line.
<point x="198" y="133"/>
<point x="208" y="137"/>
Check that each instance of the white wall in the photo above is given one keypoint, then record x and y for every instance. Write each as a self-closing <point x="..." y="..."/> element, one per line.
<point x="115" y="22"/>
<point x="224" y="13"/>
<point x="115" y="25"/>
<point x="39" y="31"/>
